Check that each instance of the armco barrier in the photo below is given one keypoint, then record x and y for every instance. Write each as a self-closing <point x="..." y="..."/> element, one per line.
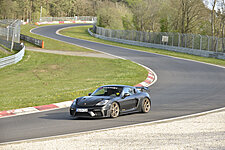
<point x="197" y="52"/>
<point x="34" y="41"/>
<point x="12" y="59"/>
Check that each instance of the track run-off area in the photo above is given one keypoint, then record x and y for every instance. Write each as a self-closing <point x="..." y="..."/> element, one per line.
<point x="183" y="87"/>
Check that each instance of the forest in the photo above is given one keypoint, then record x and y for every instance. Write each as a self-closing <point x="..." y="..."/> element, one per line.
<point x="205" y="17"/>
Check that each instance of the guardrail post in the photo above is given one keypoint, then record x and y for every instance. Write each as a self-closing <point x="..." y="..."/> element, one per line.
<point x="193" y="41"/>
<point x="101" y="31"/>
<point x="217" y="44"/>
<point x="119" y="34"/>
<point x="153" y="37"/>
<point x="172" y="38"/>
<point x="185" y="40"/>
<point x="123" y="35"/>
<point x="160" y="38"/>
<point x="110" y="33"/>
<point x="140" y="33"/>
<point x="7" y="33"/>
<point x="200" y="42"/>
<point x="179" y="40"/>
<point x="143" y="38"/>
<point x="208" y="41"/>
<point x="132" y="35"/>
<point x="12" y="39"/>
<point x="149" y="38"/>
<point x="115" y="33"/>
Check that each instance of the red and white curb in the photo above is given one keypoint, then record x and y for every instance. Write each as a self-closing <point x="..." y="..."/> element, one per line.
<point x="34" y="109"/>
<point x="151" y="79"/>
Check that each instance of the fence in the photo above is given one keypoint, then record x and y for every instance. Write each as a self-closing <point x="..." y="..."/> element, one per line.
<point x="9" y="32"/>
<point x="75" y="18"/>
<point x="13" y="59"/>
<point x="178" y="40"/>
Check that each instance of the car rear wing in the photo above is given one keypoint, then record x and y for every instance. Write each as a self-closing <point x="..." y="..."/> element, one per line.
<point x="142" y="88"/>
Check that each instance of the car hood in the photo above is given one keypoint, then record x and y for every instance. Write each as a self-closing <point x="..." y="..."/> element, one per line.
<point x="88" y="101"/>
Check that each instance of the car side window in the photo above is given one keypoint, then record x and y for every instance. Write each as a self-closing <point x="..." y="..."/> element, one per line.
<point x="130" y="91"/>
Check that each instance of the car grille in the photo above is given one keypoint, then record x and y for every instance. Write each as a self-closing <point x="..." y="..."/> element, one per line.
<point x="82" y="114"/>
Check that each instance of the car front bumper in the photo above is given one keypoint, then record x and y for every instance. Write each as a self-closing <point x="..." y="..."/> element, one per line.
<point x="92" y="112"/>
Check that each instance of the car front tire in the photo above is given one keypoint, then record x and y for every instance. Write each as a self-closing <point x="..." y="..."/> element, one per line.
<point x="114" y="110"/>
<point x="146" y="105"/>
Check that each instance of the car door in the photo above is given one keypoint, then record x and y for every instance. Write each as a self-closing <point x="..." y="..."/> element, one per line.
<point x="130" y="101"/>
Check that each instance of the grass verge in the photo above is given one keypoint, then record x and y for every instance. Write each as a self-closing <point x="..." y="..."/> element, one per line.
<point x="82" y="33"/>
<point x="2" y="54"/>
<point x="41" y="79"/>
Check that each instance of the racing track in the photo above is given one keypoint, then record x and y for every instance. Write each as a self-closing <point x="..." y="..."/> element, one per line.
<point x="183" y="87"/>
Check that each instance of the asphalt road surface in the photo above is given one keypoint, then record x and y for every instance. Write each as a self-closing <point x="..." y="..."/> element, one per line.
<point x="183" y="87"/>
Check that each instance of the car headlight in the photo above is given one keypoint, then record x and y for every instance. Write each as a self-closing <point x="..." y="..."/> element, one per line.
<point x="104" y="102"/>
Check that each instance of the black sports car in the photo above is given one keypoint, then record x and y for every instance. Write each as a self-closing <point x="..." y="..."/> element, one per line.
<point x="111" y="101"/>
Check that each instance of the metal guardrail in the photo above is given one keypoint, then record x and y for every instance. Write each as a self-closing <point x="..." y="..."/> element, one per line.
<point x="111" y="35"/>
<point x="34" y="41"/>
<point x="13" y="59"/>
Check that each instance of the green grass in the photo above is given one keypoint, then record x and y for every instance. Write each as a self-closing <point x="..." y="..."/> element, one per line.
<point x="2" y="54"/>
<point x="41" y="78"/>
<point x="50" y="43"/>
<point x="82" y="33"/>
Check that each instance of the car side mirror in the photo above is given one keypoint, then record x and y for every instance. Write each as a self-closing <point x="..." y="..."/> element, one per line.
<point x="89" y="94"/>
<point x="126" y="95"/>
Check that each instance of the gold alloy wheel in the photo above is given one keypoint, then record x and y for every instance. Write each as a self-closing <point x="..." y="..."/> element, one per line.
<point x="115" y="110"/>
<point x="146" y="105"/>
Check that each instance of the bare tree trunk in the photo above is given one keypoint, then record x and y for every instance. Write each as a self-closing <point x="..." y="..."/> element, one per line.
<point x="183" y="5"/>
<point x="223" y="38"/>
<point x="223" y="20"/>
<point x="213" y="24"/>
<point x="183" y="16"/>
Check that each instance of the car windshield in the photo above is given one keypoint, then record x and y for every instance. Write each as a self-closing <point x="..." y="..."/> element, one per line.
<point x="108" y="91"/>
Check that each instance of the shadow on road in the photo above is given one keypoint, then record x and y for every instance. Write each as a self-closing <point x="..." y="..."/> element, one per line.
<point x="57" y="116"/>
<point x="67" y="116"/>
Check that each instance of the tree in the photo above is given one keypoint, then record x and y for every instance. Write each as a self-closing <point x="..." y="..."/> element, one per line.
<point x="114" y="16"/>
<point x="8" y="9"/>
<point x="185" y="15"/>
<point x="145" y="14"/>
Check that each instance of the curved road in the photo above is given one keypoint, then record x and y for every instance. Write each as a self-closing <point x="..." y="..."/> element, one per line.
<point x="183" y="87"/>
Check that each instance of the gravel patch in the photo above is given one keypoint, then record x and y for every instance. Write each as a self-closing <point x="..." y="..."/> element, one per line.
<point x="203" y="132"/>
<point x="72" y="53"/>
